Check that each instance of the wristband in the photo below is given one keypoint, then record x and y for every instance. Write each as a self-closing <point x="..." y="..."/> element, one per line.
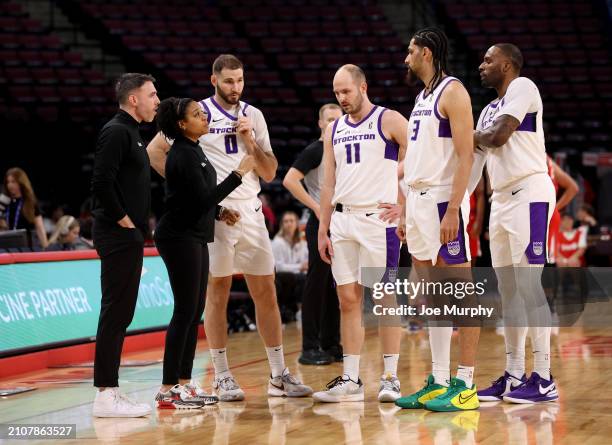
<point x="219" y="213"/>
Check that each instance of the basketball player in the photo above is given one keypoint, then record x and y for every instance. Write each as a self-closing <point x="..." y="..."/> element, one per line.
<point x="237" y="129"/>
<point x="360" y="156"/>
<point x="437" y="168"/>
<point x="510" y="131"/>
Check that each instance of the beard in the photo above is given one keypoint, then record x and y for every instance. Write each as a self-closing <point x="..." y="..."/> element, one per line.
<point x="487" y="83"/>
<point x="492" y="80"/>
<point x="354" y="108"/>
<point x="227" y="98"/>
<point x="412" y="79"/>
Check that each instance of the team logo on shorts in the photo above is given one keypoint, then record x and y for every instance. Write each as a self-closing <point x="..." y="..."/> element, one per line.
<point x="538" y="248"/>
<point x="392" y="274"/>
<point x="453" y="248"/>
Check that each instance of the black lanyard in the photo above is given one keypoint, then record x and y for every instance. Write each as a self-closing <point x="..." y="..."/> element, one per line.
<point x="16" y="217"/>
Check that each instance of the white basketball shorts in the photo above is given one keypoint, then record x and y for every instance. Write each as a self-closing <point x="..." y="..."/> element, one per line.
<point x="520" y="217"/>
<point x="361" y="239"/>
<point x="425" y="208"/>
<point x="244" y="247"/>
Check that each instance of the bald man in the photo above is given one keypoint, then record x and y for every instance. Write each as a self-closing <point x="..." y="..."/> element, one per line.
<point x="359" y="198"/>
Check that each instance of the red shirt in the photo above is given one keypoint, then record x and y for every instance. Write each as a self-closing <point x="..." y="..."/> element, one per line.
<point x="568" y="243"/>
<point x="555" y="222"/>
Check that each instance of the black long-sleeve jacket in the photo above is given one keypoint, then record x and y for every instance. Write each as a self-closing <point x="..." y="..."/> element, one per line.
<point x="192" y="194"/>
<point x="121" y="182"/>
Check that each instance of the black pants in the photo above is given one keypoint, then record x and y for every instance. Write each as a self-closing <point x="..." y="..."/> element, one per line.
<point x="187" y="264"/>
<point x="289" y="290"/>
<point x="121" y="254"/>
<point x="320" y="307"/>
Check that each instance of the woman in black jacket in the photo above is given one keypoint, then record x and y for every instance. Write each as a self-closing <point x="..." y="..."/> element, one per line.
<point x="182" y="234"/>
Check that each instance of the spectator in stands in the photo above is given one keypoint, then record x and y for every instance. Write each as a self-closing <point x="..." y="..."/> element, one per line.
<point x="23" y="211"/>
<point x="586" y="217"/>
<point x="572" y="279"/>
<point x="291" y="262"/>
<point x="50" y="223"/>
<point x="5" y="200"/>
<point x="86" y="223"/>
<point x="66" y="235"/>
<point x="561" y="180"/>
<point x="86" y="220"/>
<point x="572" y="243"/>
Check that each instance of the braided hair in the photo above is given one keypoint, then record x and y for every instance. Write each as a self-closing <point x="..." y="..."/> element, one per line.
<point x="437" y="42"/>
<point x="169" y="113"/>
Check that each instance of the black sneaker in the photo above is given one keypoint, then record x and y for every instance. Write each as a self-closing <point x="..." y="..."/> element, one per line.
<point x="314" y="357"/>
<point x="335" y="352"/>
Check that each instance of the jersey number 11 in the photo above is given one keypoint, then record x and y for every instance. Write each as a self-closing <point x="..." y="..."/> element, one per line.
<point x="349" y="153"/>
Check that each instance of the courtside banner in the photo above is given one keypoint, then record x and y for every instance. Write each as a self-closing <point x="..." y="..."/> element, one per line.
<point x="58" y="302"/>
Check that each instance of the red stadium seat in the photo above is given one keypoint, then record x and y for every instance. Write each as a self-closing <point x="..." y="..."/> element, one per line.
<point x="19" y="75"/>
<point x="306" y="78"/>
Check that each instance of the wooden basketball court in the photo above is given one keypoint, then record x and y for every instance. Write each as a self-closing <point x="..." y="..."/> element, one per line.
<point x="582" y="366"/>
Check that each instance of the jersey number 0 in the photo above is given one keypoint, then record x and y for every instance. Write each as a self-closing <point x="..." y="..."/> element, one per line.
<point x="231" y="144"/>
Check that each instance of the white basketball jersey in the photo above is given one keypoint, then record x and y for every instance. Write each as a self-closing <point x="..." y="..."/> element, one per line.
<point x="225" y="149"/>
<point x="366" y="161"/>
<point x="524" y="153"/>
<point x="430" y="159"/>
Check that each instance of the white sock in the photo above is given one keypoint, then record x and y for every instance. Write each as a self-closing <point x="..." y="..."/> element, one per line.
<point x="351" y="366"/>
<point x="219" y="360"/>
<point x="466" y="373"/>
<point x="540" y="343"/>
<point x="390" y="361"/>
<point x="515" y="350"/>
<point x="439" y="342"/>
<point x="276" y="358"/>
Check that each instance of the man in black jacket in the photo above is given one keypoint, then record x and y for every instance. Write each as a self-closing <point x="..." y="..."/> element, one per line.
<point x="122" y="200"/>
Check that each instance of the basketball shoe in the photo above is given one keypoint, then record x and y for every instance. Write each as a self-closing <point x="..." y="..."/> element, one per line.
<point x="194" y="388"/>
<point x="389" y="388"/>
<point x="227" y="389"/>
<point x="500" y="387"/>
<point x="458" y="397"/>
<point x="418" y="399"/>
<point x="178" y="397"/>
<point x="287" y="385"/>
<point x="341" y="389"/>
<point x="534" y="390"/>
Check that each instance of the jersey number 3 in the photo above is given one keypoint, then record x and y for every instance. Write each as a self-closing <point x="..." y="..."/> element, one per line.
<point x="349" y="153"/>
<point x="231" y="144"/>
<point x="415" y="130"/>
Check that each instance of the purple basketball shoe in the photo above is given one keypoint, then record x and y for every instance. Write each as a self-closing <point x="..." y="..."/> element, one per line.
<point x="500" y="387"/>
<point x="534" y="390"/>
